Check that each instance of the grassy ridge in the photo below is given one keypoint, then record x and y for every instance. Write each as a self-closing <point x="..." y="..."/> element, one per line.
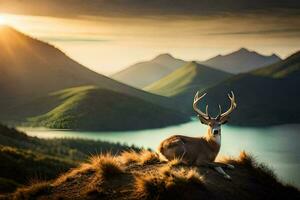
<point x="183" y="83"/>
<point x="24" y="158"/>
<point x="281" y="69"/>
<point x="189" y="78"/>
<point x="143" y="175"/>
<point x="94" y="108"/>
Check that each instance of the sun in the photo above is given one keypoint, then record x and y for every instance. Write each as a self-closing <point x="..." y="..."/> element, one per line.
<point x="2" y="20"/>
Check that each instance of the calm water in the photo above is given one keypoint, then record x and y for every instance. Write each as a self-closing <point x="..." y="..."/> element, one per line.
<point x="276" y="146"/>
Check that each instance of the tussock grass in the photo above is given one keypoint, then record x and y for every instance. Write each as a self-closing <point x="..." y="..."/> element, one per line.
<point x="129" y="157"/>
<point x="148" y="157"/>
<point x="167" y="183"/>
<point x="107" y="165"/>
<point x="144" y="157"/>
<point x="82" y="169"/>
<point x="261" y="171"/>
<point x="33" y="191"/>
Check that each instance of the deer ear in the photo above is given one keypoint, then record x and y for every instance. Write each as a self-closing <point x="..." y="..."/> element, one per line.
<point x="203" y="121"/>
<point x="225" y="120"/>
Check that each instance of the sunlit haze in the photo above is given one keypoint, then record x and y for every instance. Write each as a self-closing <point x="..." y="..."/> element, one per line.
<point x="2" y="20"/>
<point x="107" y="45"/>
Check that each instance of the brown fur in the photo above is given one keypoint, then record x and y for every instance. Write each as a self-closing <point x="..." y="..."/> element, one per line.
<point x="190" y="150"/>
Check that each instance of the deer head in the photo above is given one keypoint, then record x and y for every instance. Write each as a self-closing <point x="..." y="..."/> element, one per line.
<point x="214" y="123"/>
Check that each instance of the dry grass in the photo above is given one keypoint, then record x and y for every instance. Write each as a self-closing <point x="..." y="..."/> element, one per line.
<point x="258" y="170"/>
<point x="73" y="173"/>
<point x="144" y="157"/>
<point x="107" y="165"/>
<point x="129" y="157"/>
<point x="148" y="158"/>
<point x="32" y="191"/>
<point x="168" y="183"/>
<point x="175" y="162"/>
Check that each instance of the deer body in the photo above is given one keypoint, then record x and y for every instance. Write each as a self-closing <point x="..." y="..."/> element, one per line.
<point x="179" y="146"/>
<point x="200" y="151"/>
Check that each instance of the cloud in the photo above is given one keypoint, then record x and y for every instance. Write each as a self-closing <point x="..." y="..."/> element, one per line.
<point x="151" y="8"/>
<point x="71" y="39"/>
<point x="291" y="31"/>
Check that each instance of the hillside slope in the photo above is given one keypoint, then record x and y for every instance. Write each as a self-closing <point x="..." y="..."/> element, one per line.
<point x="30" y="68"/>
<point x="94" y="108"/>
<point x="183" y="83"/>
<point x="143" y="176"/>
<point x="266" y="96"/>
<point x="241" y="61"/>
<point x="145" y="73"/>
<point x="24" y="159"/>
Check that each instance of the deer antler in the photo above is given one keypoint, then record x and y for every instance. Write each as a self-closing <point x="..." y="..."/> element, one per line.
<point x="201" y="114"/>
<point x="231" y="108"/>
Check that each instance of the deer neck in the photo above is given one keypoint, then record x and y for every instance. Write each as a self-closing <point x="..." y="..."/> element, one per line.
<point x="214" y="142"/>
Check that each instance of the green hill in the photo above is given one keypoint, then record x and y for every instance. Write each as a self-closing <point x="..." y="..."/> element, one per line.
<point x="145" y="73"/>
<point x="24" y="159"/>
<point x="31" y="69"/>
<point x="267" y="96"/>
<point x="93" y="108"/>
<point x="183" y="83"/>
<point x="284" y="69"/>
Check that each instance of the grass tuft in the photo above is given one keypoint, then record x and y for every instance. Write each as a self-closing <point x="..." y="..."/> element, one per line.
<point x="167" y="183"/>
<point x="84" y="168"/>
<point x="31" y="192"/>
<point x="107" y="165"/>
<point x="144" y="157"/>
<point x="148" y="158"/>
<point x="129" y="157"/>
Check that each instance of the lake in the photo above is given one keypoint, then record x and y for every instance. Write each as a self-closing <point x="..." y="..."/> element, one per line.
<point x="276" y="146"/>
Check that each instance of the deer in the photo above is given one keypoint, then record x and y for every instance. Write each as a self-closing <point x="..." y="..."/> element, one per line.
<point x="200" y="151"/>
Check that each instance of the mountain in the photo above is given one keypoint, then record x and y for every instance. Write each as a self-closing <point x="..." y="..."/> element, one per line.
<point x="183" y="83"/>
<point x="142" y="175"/>
<point x="241" y="61"/>
<point x="145" y="73"/>
<point x="95" y="109"/>
<point x="266" y="96"/>
<point x="31" y="69"/>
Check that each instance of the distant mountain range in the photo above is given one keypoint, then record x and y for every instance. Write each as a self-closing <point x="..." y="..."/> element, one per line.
<point x="31" y="69"/>
<point x="145" y="73"/>
<point x="265" y="96"/>
<point x="241" y="61"/>
<point x="183" y="83"/>
<point x="148" y="73"/>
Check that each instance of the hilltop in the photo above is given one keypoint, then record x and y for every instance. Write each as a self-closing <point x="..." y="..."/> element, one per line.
<point x="143" y="176"/>
<point x="145" y="73"/>
<point x="266" y="96"/>
<point x="240" y="61"/>
<point x="95" y="109"/>
<point x="183" y="83"/>
<point x="25" y="159"/>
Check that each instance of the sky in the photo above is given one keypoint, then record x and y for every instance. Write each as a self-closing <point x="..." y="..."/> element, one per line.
<point x="109" y="35"/>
